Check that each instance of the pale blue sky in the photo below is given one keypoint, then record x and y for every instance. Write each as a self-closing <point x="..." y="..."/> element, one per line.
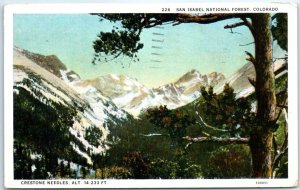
<point x="206" y="48"/>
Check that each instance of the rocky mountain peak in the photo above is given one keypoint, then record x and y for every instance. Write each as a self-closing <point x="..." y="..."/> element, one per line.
<point x="188" y="76"/>
<point x="51" y="63"/>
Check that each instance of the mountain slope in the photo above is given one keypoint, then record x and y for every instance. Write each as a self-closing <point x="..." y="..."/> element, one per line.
<point x="47" y="83"/>
<point x="239" y="80"/>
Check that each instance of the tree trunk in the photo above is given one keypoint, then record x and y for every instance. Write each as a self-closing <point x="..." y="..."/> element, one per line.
<point x="262" y="134"/>
<point x="261" y="151"/>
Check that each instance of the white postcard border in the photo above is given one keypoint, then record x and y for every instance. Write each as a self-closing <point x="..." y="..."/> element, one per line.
<point x="291" y="9"/>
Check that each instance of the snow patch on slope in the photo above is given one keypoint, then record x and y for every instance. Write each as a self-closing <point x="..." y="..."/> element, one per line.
<point x="93" y="108"/>
<point x="134" y="97"/>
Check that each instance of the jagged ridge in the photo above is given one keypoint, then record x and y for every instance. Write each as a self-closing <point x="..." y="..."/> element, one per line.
<point x="134" y="97"/>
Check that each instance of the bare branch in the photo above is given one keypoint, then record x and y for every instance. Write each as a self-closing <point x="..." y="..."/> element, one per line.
<point x="208" y="18"/>
<point x="149" y="22"/>
<point x="281" y="106"/>
<point x="250" y="58"/>
<point x="211" y="127"/>
<point x="233" y="140"/>
<point x="231" y="31"/>
<point x="188" y="145"/>
<point x="152" y="24"/>
<point x="252" y="81"/>
<point x="234" y="25"/>
<point x="205" y="134"/>
<point x="280" y="70"/>
<point x="246" y="44"/>
<point x="176" y="23"/>
<point x="248" y="24"/>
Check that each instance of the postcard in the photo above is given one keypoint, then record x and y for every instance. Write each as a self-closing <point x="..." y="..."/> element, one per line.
<point x="183" y="95"/>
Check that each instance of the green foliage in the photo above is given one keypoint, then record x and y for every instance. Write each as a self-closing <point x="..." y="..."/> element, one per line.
<point x="174" y="121"/>
<point x="225" y="111"/>
<point x="116" y="43"/>
<point x="93" y="135"/>
<point x="282" y="130"/>
<point x="281" y="83"/>
<point x="62" y="171"/>
<point x="138" y="164"/>
<point x="163" y="169"/>
<point x="119" y="42"/>
<point x="193" y="171"/>
<point x="146" y="151"/>
<point x="279" y="30"/>
<point x="113" y="172"/>
<point x="281" y="169"/>
<point x="124" y="39"/>
<point x="138" y="136"/>
<point x="187" y="168"/>
<point x="40" y="171"/>
<point x="22" y="162"/>
<point x="83" y="172"/>
<point x="233" y="161"/>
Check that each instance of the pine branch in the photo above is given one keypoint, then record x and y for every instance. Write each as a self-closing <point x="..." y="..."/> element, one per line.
<point x="252" y="81"/>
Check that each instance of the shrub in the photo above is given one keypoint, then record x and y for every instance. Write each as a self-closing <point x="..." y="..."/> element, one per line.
<point x="163" y="169"/>
<point x="193" y="171"/>
<point x="113" y="172"/>
<point x="232" y="161"/>
<point x="138" y="165"/>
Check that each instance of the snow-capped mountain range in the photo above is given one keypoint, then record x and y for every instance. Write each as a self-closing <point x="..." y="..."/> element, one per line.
<point x="130" y="95"/>
<point x="134" y="97"/>
<point x="125" y="93"/>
